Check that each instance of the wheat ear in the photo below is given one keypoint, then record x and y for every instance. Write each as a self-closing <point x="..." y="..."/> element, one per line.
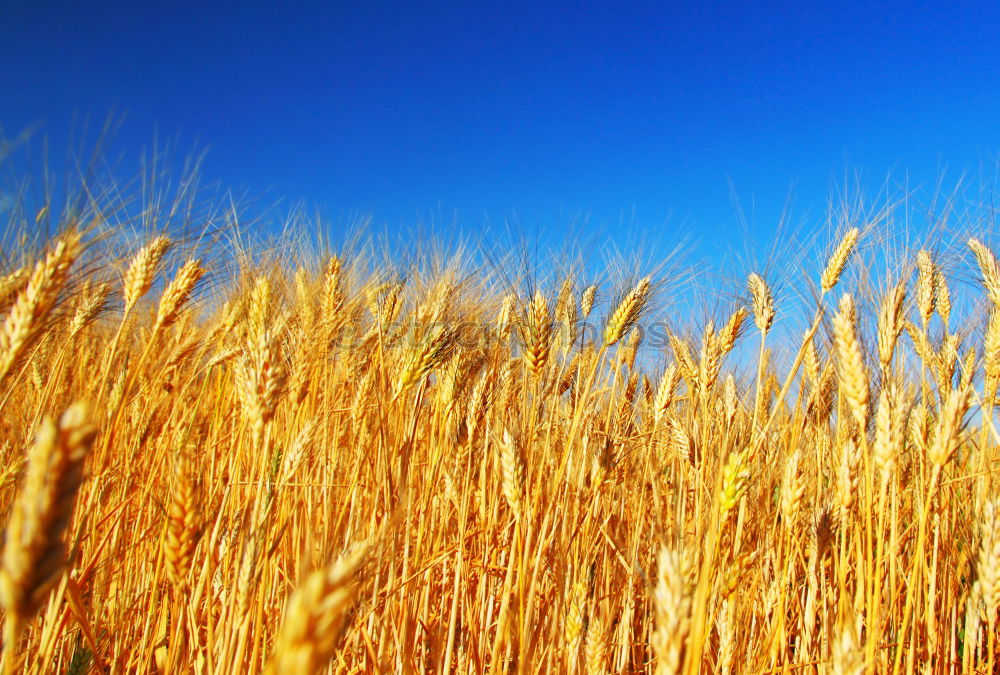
<point x="142" y="270"/>
<point x="835" y="266"/>
<point x="627" y="312"/>
<point x="181" y="530"/>
<point x="890" y="324"/>
<point x="34" y="553"/>
<point x="11" y="285"/>
<point x="988" y="267"/>
<point x="313" y="620"/>
<point x="538" y="336"/>
<point x="853" y="375"/>
<point x="91" y="304"/>
<point x="763" y="302"/>
<point x="575" y="623"/>
<point x="889" y="430"/>
<point x="587" y="300"/>
<point x="333" y="291"/>
<point x="671" y="605"/>
<point x="177" y="293"/>
<point x="942" y="296"/>
<point x="512" y="470"/>
<point x="20" y="329"/>
<point x="436" y="347"/>
<point x="926" y="280"/>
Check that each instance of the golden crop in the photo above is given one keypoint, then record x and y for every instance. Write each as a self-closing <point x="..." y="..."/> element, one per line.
<point x="301" y="468"/>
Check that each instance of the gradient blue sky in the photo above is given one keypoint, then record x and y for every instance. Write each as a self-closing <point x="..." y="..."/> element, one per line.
<point x="407" y="111"/>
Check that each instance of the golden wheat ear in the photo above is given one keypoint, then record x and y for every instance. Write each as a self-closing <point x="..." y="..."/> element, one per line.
<point x="180" y="533"/>
<point x="671" y="607"/>
<point x="178" y="292"/>
<point x="926" y="281"/>
<point x="763" y="302"/>
<point x="587" y="300"/>
<point x="142" y="270"/>
<point x="34" y="552"/>
<point x="988" y="267"/>
<point x="838" y="259"/>
<point x="538" y="336"/>
<point x="311" y="629"/>
<point x="39" y="296"/>
<point x="853" y="374"/>
<point x="627" y="312"/>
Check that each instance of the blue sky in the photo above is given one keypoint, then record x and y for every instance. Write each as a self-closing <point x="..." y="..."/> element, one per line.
<point x="653" y="114"/>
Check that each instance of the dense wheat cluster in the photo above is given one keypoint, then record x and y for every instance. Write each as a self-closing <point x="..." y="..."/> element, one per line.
<point x="219" y="466"/>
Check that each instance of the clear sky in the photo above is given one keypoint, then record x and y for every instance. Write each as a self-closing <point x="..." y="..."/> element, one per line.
<point x="467" y="111"/>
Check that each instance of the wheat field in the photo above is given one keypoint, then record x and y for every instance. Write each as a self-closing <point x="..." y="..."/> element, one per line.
<point x="222" y="463"/>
